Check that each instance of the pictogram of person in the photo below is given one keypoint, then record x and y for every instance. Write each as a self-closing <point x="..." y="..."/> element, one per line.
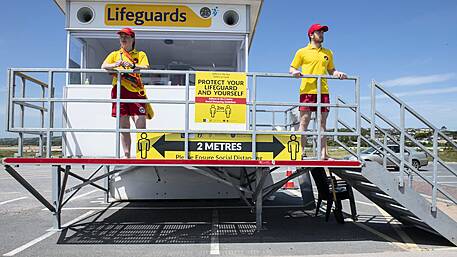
<point x="293" y="147"/>
<point x="212" y="111"/>
<point x="144" y="145"/>
<point x="228" y="111"/>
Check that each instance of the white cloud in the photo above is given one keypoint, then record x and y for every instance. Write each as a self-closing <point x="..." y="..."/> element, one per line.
<point x="439" y="113"/>
<point x="429" y="92"/>
<point x="438" y="91"/>
<point x="418" y="80"/>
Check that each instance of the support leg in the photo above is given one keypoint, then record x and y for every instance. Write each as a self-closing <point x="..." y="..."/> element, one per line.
<point x="319" y="201"/>
<point x="328" y="210"/>
<point x="63" y="185"/>
<point x="29" y="187"/>
<point x="106" y="182"/>
<point x="352" y="204"/>
<point x="258" y="200"/>
<point x="306" y="189"/>
<point x="339" y="211"/>
<point x="56" y="188"/>
<point x="243" y="180"/>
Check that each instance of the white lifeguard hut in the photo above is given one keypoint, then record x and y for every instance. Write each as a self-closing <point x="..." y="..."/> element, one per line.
<point x="175" y="35"/>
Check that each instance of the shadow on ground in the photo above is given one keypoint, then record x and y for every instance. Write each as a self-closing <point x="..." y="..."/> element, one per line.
<point x="137" y="223"/>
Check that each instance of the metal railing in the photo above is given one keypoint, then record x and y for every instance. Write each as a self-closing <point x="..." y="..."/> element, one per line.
<point x="289" y="124"/>
<point x="47" y="98"/>
<point x="402" y="161"/>
<point x="406" y="109"/>
<point x="45" y="104"/>
<point x="22" y="105"/>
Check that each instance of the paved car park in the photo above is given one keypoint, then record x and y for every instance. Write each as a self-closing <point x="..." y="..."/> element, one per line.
<point x="198" y="228"/>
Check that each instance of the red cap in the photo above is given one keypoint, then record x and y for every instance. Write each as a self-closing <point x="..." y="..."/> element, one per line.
<point x="127" y="31"/>
<point x="316" y="27"/>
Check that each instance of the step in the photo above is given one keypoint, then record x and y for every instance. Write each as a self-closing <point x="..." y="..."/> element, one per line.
<point x="366" y="186"/>
<point x="384" y="198"/>
<point x="351" y="175"/>
<point x="399" y="209"/>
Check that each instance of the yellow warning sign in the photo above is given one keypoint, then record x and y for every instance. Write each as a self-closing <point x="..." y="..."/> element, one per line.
<point x="217" y="146"/>
<point x="220" y="97"/>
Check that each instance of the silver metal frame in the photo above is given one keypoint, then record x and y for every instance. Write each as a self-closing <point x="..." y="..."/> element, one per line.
<point x="50" y="100"/>
<point x="255" y="190"/>
<point x="47" y="128"/>
<point x="59" y="189"/>
<point x="250" y="184"/>
<point x="404" y="164"/>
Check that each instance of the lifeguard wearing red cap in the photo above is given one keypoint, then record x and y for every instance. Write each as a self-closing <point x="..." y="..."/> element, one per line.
<point x="316" y="27"/>
<point x="127" y="31"/>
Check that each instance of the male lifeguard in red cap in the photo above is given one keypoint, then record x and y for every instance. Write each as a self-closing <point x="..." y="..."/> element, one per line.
<point x="316" y="60"/>
<point x="127" y="57"/>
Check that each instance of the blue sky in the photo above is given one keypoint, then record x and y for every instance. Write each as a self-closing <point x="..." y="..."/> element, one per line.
<point x="410" y="46"/>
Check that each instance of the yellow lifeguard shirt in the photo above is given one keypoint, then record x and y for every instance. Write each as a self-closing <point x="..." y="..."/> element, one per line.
<point x="141" y="59"/>
<point x="315" y="61"/>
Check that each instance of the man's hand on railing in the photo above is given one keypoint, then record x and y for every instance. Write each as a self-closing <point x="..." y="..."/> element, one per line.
<point x="340" y="75"/>
<point x="296" y="73"/>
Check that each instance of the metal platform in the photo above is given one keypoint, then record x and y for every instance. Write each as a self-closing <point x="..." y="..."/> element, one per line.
<point x="250" y="183"/>
<point x="208" y="163"/>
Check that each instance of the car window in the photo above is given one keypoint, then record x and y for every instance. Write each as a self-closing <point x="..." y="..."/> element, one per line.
<point x="394" y="148"/>
<point x="368" y="151"/>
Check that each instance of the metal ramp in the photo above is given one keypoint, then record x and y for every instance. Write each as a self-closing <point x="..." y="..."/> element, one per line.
<point x="396" y="193"/>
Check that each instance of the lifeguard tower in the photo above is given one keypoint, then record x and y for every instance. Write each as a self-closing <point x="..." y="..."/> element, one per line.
<point x="177" y="36"/>
<point x="200" y="145"/>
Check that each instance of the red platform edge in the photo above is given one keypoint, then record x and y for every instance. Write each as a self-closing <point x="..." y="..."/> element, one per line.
<point x="161" y="162"/>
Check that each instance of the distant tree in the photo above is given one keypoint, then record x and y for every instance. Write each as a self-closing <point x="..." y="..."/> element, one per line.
<point x="422" y="135"/>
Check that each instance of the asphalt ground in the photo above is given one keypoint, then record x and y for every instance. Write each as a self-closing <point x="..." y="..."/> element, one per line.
<point x="198" y="228"/>
<point x="444" y="176"/>
<point x="445" y="180"/>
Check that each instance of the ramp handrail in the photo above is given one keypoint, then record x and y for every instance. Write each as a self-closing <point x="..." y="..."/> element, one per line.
<point x="406" y="109"/>
<point x="392" y="156"/>
<point x="47" y="128"/>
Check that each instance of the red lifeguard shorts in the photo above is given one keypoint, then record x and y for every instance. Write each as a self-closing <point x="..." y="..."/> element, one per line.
<point x="128" y="109"/>
<point x="312" y="98"/>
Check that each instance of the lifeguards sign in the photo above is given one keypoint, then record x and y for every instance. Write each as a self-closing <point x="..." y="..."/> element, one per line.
<point x="154" y="15"/>
<point x="220" y="97"/>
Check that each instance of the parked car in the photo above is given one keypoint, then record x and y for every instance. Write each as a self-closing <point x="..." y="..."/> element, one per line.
<point x="418" y="159"/>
